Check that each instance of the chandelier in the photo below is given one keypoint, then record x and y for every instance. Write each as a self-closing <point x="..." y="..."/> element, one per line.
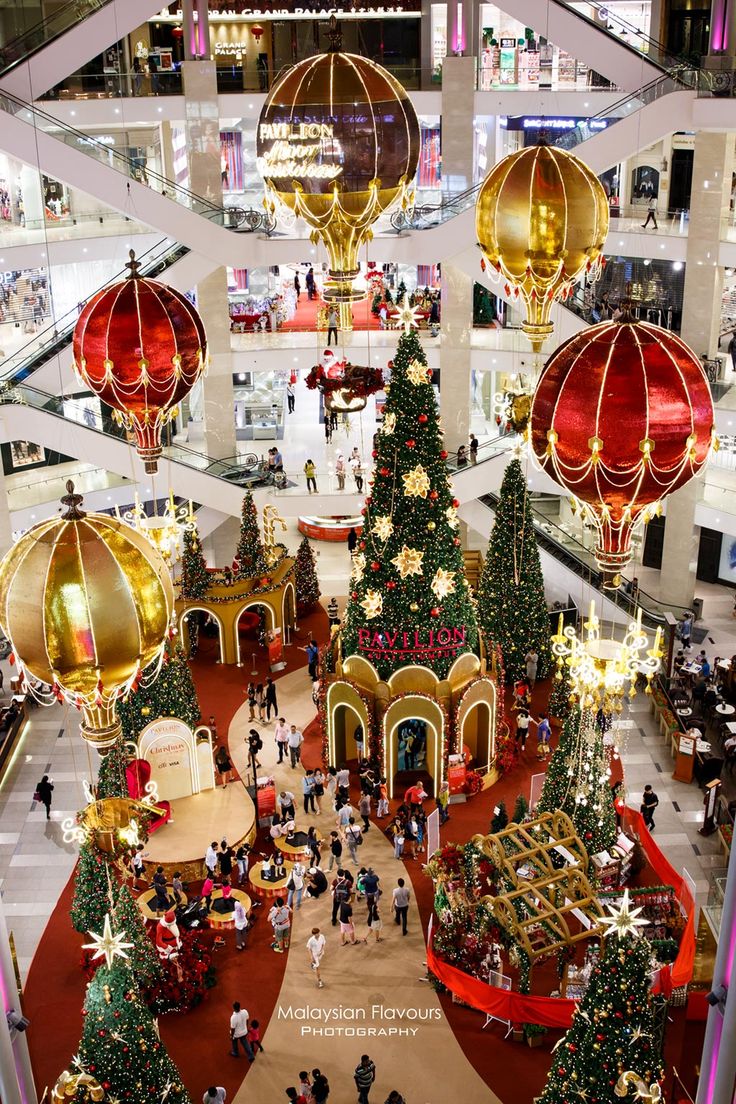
<point x="601" y="668"/>
<point x="164" y="531"/>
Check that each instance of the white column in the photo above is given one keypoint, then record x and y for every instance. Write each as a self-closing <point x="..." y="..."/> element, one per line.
<point x="711" y="188"/>
<point x="718" y="1064"/>
<point x="16" y="1076"/>
<point x="217" y="386"/>
<point x="6" y="530"/>
<point x="457" y="320"/>
<point x="458" y="108"/>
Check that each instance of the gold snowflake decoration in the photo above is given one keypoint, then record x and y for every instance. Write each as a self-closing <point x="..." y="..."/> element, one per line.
<point x="451" y="515"/>
<point x="406" y="317"/>
<point x="358" y="567"/>
<point x="389" y="422"/>
<point x="416" y="483"/>
<point x="408" y="562"/>
<point x="108" y="945"/>
<point x="624" y="921"/>
<point x="443" y="583"/>
<point x="416" y="373"/>
<point x="372" y="604"/>
<point x="383" y="527"/>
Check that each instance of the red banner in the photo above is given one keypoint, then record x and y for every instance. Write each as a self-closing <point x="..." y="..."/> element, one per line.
<point x="275" y="649"/>
<point x="266" y="798"/>
<point x="457" y="774"/>
<point x="555" y="1012"/>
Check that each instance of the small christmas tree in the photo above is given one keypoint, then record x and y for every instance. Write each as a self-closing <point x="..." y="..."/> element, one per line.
<point x="194" y="580"/>
<point x="171" y="694"/>
<point x="250" y="554"/>
<point x="500" y="818"/>
<point x="409" y="600"/>
<point x="613" y="1027"/>
<point x="578" y="782"/>
<point x="521" y="809"/>
<point x="560" y="705"/>
<point x="142" y="956"/>
<point x="307" y="583"/>
<point x="512" y="609"/>
<point x="93" y="886"/>
<point x="120" y="1045"/>
<point x="111" y="780"/>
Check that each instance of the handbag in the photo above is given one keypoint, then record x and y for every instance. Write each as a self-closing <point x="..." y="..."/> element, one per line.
<point x="36" y="796"/>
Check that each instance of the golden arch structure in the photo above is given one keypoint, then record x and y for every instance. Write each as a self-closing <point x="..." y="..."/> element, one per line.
<point x="226" y="604"/>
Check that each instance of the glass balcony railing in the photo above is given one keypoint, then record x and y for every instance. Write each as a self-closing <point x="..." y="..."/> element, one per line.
<point x="24" y="40"/>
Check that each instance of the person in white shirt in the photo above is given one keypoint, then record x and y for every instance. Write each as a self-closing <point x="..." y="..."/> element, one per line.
<point x="343" y="779"/>
<point x="240" y="918"/>
<point x="239" y="1032"/>
<point x="285" y="802"/>
<point x="295" y="886"/>
<point x="214" y="1095"/>
<point x="281" y="736"/>
<point x="344" y="814"/>
<point x="356" y="467"/>
<point x="295" y="741"/>
<point x="210" y="859"/>
<point x="316" y="949"/>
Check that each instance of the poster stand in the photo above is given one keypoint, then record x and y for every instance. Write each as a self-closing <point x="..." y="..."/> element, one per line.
<point x="500" y="981"/>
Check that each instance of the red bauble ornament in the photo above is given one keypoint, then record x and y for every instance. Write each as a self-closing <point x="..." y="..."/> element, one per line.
<point x="374" y="453"/>
<point x="390" y="585"/>
<point x="375" y="566"/>
<point x="456" y="503"/>
<point x="422" y="419"/>
<point x="434" y="612"/>
<point x="140" y="346"/>
<point x="368" y="500"/>
<point x="361" y="546"/>
<point x="384" y="471"/>
<point x="444" y="454"/>
<point x="456" y="540"/>
<point x="433" y="495"/>
<point x="354" y="595"/>
<point x="411" y="443"/>
<point x="622" y="416"/>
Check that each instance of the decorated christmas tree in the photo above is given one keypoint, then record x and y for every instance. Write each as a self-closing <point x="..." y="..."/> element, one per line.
<point x="93" y="888"/>
<point x="142" y="956"/>
<point x="194" y="579"/>
<point x="111" y="780"/>
<point x="613" y="1028"/>
<point x="512" y="609"/>
<point x="307" y="583"/>
<point x="120" y="1045"/>
<point x="410" y="601"/>
<point x="250" y="555"/>
<point x="560" y="705"/>
<point x="171" y="694"/>
<point x="578" y="782"/>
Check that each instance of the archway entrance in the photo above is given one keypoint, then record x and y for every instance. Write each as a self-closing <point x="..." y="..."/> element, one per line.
<point x="346" y="723"/>
<point x="413" y="733"/>
<point x="476" y="734"/>
<point x="201" y="634"/>
<point x="412" y="744"/>
<point x="250" y="631"/>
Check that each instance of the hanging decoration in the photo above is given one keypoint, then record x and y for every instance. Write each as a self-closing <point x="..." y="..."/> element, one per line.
<point x="345" y="387"/>
<point x="141" y="346"/>
<point x="338" y="144"/>
<point x="86" y="603"/>
<point x="77" y="1088"/>
<point x="541" y="220"/>
<point x="622" y="416"/>
<point x="164" y="531"/>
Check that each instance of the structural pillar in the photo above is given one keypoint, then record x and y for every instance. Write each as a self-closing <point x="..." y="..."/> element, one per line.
<point x="718" y="1064"/>
<point x="458" y="105"/>
<point x="217" y="385"/>
<point x="711" y="189"/>
<point x="6" y="528"/>
<point x="16" y="1076"/>
<point x="457" y="325"/>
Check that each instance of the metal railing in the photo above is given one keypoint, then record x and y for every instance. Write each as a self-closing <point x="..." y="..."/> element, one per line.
<point x="33" y="38"/>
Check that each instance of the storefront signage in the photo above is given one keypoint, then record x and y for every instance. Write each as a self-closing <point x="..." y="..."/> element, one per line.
<point x="297" y="151"/>
<point x="375" y="644"/>
<point x="549" y="122"/>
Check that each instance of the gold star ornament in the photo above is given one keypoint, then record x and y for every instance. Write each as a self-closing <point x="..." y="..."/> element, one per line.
<point x="406" y="317"/>
<point x="417" y="373"/>
<point x="108" y="945"/>
<point x="408" y="562"/>
<point x="624" y="920"/>
<point x="443" y="583"/>
<point x="383" y="527"/>
<point x="416" y="483"/>
<point x="372" y="604"/>
<point x="389" y="424"/>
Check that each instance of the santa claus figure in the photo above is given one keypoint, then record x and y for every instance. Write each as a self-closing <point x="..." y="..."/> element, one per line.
<point x="332" y="365"/>
<point x="168" y="940"/>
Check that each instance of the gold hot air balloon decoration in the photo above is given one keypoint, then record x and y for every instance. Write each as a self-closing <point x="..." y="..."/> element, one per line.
<point x="338" y="144"/>
<point x="85" y="602"/>
<point x="541" y="220"/>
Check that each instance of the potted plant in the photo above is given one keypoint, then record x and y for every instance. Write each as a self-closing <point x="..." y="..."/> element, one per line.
<point x="534" y="1034"/>
<point x="517" y="1032"/>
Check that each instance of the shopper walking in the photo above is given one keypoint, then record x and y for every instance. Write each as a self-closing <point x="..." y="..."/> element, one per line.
<point x="239" y="1032"/>
<point x="310" y="472"/>
<point x="332" y="321"/>
<point x="532" y="662"/>
<point x="335" y="851"/>
<point x="320" y="1087"/>
<point x="316" y="949"/>
<point x="356" y="467"/>
<point x="308" y="792"/>
<point x="240" y="919"/>
<point x="649" y="803"/>
<point x="297" y="286"/>
<point x="214" y="1094"/>
<point x="281" y="736"/>
<point x="290" y="398"/>
<point x="352" y="540"/>
<point x="365" y="1075"/>
<point x="271" y="702"/>
<point x="400" y="902"/>
<point x="340" y="471"/>
<point x="280" y="920"/>
<point x="295" y="741"/>
<point x="295" y="886"/>
<point x="353" y="838"/>
<point x="651" y="213"/>
<point x="44" y="790"/>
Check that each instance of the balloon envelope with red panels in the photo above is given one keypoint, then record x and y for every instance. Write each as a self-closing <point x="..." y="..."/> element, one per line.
<point x="141" y="346"/>
<point x="622" y="416"/>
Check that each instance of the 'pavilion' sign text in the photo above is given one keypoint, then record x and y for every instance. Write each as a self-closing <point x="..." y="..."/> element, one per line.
<point x="377" y="643"/>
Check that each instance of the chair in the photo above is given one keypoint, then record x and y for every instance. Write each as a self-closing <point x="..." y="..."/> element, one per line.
<point x="138" y="775"/>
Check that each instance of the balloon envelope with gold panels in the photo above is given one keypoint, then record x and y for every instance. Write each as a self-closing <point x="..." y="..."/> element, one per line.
<point x="86" y="603"/>
<point x="542" y="221"/>
<point x="338" y="144"/>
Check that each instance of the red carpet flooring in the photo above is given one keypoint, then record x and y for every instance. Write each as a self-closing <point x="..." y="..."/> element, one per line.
<point x="306" y="315"/>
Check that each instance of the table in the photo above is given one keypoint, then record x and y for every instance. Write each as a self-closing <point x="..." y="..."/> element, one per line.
<point x="730" y="727"/>
<point x="147" y="900"/>
<point x="298" y="849"/>
<point x="265" y="888"/>
<point x="726" y="710"/>
<point x="227" y="919"/>
<point x="691" y="668"/>
<point x="684" y="711"/>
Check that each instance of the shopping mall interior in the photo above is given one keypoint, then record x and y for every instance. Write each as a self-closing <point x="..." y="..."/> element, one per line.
<point x="325" y="573"/>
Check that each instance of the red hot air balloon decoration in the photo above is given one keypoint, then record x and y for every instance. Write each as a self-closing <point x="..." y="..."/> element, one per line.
<point x="141" y="346"/>
<point x="622" y="416"/>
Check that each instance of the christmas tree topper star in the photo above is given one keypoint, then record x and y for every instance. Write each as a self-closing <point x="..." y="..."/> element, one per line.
<point x="407" y="317"/>
<point x="108" y="945"/>
<point x="624" y="920"/>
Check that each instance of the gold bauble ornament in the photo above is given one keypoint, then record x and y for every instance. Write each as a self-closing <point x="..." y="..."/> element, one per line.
<point x="338" y="144"/>
<point x="541" y="220"/>
<point x="85" y="602"/>
<point x="431" y="526"/>
<point x="414" y="607"/>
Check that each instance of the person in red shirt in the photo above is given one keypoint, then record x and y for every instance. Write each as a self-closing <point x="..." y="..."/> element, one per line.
<point x="415" y="795"/>
<point x="296" y="1097"/>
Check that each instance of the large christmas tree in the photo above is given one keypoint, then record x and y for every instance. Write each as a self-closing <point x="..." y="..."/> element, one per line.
<point x="512" y="609"/>
<point x="120" y="1046"/>
<point x="305" y="577"/>
<point x="559" y="704"/>
<point x="250" y="555"/>
<point x="111" y="780"/>
<point x="410" y="602"/>
<point x="194" y="579"/>
<point x="171" y="694"/>
<point x="578" y="782"/>
<point x="143" y="957"/>
<point x="613" y="1027"/>
<point x="94" y="887"/>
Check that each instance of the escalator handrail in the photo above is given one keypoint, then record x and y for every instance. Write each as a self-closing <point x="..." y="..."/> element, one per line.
<point x="14" y="46"/>
<point x="673" y="60"/>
